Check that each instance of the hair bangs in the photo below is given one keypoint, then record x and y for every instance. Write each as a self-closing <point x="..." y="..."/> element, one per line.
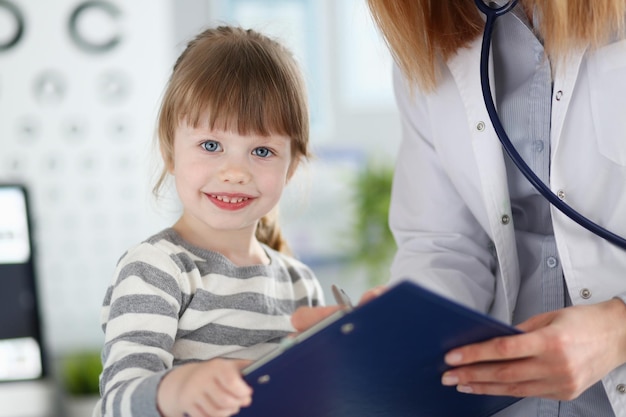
<point x="245" y="93"/>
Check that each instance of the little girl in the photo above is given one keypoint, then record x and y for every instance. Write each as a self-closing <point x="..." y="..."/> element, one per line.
<point x="193" y="304"/>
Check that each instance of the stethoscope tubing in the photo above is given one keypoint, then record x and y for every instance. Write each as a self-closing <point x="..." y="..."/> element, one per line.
<point x="491" y="14"/>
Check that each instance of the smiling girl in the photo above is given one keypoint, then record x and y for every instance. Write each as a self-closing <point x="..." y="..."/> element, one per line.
<point x="193" y="304"/>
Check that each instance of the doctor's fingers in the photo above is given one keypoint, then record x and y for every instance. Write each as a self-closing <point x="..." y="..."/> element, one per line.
<point x="526" y="377"/>
<point x="504" y="348"/>
<point x="372" y="293"/>
<point x="538" y="388"/>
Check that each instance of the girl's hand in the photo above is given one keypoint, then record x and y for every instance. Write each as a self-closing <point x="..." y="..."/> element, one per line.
<point x="213" y="388"/>
<point x="305" y="317"/>
<point x="561" y="354"/>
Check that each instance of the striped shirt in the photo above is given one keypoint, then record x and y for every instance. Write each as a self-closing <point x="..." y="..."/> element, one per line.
<point x="171" y="303"/>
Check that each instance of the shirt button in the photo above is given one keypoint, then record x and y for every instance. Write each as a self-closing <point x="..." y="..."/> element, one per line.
<point x="538" y="145"/>
<point x="621" y="388"/>
<point x="505" y="219"/>
<point x="480" y="126"/>
<point x="561" y="194"/>
<point x="558" y="95"/>
<point x="552" y="262"/>
<point x="585" y="293"/>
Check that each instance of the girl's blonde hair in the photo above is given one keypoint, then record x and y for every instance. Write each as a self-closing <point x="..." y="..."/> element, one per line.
<point x="422" y="34"/>
<point x="245" y="82"/>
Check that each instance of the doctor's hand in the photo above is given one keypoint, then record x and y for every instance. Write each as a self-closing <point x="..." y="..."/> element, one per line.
<point x="560" y="355"/>
<point x="305" y="317"/>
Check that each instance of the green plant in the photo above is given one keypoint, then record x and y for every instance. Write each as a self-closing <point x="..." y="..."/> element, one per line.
<point x="375" y="245"/>
<point x="81" y="371"/>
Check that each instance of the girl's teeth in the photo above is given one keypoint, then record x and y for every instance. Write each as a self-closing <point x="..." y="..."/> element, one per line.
<point x="230" y="200"/>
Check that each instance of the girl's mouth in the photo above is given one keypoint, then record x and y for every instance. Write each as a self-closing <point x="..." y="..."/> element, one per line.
<point x="226" y="202"/>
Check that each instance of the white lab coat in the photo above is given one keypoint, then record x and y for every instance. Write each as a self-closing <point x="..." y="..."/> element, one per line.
<point x="450" y="210"/>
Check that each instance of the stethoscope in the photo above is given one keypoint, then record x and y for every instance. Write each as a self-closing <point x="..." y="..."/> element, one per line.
<point x="492" y="13"/>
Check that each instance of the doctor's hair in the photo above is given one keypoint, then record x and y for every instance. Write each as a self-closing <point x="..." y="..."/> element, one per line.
<point x="241" y="81"/>
<point x="424" y="34"/>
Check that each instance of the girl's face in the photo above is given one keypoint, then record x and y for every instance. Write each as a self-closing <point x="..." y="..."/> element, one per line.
<point x="227" y="181"/>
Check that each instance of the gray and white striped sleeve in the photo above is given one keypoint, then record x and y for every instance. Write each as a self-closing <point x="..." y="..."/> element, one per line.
<point x="140" y="321"/>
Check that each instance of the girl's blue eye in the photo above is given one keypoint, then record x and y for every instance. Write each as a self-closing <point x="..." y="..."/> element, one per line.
<point x="211" y="146"/>
<point x="262" y="152"/>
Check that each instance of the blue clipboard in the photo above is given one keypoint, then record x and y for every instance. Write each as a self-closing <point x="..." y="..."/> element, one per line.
<point x="382" y="359"/>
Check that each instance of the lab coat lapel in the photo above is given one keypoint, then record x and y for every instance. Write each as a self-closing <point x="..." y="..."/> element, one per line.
<point x="492" y="171"/>
<point x="565" y="78"/>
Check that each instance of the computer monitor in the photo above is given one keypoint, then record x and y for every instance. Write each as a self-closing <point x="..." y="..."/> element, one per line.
<point x="21" y="347"/>
<point x="25" y="386"/>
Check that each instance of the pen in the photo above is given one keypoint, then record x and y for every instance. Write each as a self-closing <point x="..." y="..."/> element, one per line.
<point x="341" y="297"/>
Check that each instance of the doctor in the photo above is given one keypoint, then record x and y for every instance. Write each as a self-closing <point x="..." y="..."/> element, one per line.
<point x="470" y="226"/>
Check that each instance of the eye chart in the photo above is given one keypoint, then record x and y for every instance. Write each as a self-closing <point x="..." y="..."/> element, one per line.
<point x="80" y="84"/>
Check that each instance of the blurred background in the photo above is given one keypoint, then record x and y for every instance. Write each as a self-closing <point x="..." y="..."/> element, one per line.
<point x="80" y="86"/>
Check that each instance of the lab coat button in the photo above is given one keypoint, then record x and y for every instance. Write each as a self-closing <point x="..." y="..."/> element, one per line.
<point x="552" y="262"/>
<point x="480" y="126"/>
<point x="621" y="388"/>
<point x="561" y="194"/>
<point x="505" y="219"/>
<point x="585" y="293"/>
<point x="558" y="95"/>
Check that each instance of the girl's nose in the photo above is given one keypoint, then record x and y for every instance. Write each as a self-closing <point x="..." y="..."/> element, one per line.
<point x="235" y="172"/>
